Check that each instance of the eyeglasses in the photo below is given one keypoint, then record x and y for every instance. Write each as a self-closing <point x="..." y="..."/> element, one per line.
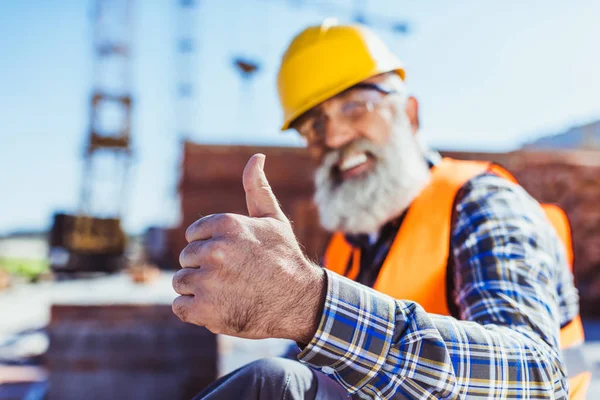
<point x="349" y="106"/>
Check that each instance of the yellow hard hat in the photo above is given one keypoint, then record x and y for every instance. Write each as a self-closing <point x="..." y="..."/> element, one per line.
<point x="325" y="60"/>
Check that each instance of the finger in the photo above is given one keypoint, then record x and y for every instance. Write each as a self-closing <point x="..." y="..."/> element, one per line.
<point x="203" y="253"/>
<point x="260" y="200"/>
<point x="183" y="281"/>
<point x="183" y="307"/>
<point x="190" y="255"/>
<point x="203" y="228"/>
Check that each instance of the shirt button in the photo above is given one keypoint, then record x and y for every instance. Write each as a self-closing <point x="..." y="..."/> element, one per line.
<point x="327" y="370"/>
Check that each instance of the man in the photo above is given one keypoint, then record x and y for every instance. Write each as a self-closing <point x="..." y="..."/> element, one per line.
<point x="472" y="280"/>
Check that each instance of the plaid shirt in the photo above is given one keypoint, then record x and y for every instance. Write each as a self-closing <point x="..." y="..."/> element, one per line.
<point x="512" y="290"/>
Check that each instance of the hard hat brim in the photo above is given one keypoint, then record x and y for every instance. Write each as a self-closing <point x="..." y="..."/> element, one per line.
<point x="335" y="91"/>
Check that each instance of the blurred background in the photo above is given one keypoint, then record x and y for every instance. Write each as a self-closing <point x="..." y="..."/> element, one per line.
<point x="123" y="120"/>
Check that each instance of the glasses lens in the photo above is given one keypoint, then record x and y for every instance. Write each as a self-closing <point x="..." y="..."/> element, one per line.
<point x="354" y="109"/>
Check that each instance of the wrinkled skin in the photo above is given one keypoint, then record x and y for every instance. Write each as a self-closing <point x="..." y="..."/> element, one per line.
<point x="246" y="276"/>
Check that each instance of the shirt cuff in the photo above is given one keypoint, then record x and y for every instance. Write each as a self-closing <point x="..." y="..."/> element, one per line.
<point x="354" y="335"/>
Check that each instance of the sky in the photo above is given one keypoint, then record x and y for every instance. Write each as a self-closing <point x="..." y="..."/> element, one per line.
<point x="489" y="75"/>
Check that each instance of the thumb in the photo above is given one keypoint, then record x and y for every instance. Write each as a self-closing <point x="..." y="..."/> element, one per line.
<point x="260" y="200"/>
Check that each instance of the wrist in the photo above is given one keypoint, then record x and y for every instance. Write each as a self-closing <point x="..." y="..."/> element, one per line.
<point x="311" y="308"/>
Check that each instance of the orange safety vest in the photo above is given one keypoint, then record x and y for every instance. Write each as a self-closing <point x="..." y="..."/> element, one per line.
<point x="416" y="265"/>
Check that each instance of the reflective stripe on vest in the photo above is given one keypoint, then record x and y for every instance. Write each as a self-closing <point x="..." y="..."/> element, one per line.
<point x="422" y="248"/>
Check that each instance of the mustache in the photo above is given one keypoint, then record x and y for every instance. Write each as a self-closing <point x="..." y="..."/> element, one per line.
<point x="334" y="156"/>
<point x="365" y="203"/>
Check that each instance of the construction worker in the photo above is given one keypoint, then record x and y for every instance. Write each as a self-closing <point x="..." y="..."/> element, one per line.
<point x="474" y="293"/>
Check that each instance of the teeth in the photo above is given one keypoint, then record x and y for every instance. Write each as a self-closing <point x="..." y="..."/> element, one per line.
<point x="353" y="161"/>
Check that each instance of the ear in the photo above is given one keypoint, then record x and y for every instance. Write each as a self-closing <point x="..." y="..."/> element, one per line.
<point x="412" y="111"/>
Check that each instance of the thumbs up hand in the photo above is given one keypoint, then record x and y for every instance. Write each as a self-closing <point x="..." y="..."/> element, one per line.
<point x="260" y="200"/>
<point x="246" y="276"/>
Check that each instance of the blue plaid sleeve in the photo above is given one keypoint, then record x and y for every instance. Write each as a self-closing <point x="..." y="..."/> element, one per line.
<point x="509" y="286"/>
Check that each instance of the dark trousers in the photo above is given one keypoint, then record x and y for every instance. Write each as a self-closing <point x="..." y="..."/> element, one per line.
<point x="274" y="379"/>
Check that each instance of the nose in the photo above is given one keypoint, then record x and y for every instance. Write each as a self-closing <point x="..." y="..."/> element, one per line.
<point x="339" y="134"/>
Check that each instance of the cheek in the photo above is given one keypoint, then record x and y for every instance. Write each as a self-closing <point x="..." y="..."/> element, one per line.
<point x="317" y="153"/>
<point x="378" y="128"/>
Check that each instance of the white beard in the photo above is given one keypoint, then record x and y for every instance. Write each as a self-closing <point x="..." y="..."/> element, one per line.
<point x="364" y="204"/>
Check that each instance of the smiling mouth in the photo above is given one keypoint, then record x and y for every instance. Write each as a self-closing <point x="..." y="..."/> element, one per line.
<point x="352" y="165"/>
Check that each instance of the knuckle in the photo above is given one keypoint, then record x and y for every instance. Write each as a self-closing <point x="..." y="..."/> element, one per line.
<point x="217" y="251"/>
<point x="226" y="221"/>
<point x="180" y="309"/>
<point x="231" y="222"/>
<point x="182" y="257"/>
<point x="189" y="232"/>
<point x="187" y="255"/>
<point x="176" y="283"/>
<point x="218" y="247"/>
<point x="180" y="279"/>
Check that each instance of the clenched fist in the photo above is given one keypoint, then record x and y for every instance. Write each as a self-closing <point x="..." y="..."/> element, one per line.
<point x="246" y="276"/>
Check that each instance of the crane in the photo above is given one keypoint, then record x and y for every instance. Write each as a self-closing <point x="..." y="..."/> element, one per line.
<point x="92" y="240"/>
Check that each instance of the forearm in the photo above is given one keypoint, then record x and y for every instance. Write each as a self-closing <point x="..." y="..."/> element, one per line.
<point x="393" y="349"/>
<point x="449" y="358"/>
